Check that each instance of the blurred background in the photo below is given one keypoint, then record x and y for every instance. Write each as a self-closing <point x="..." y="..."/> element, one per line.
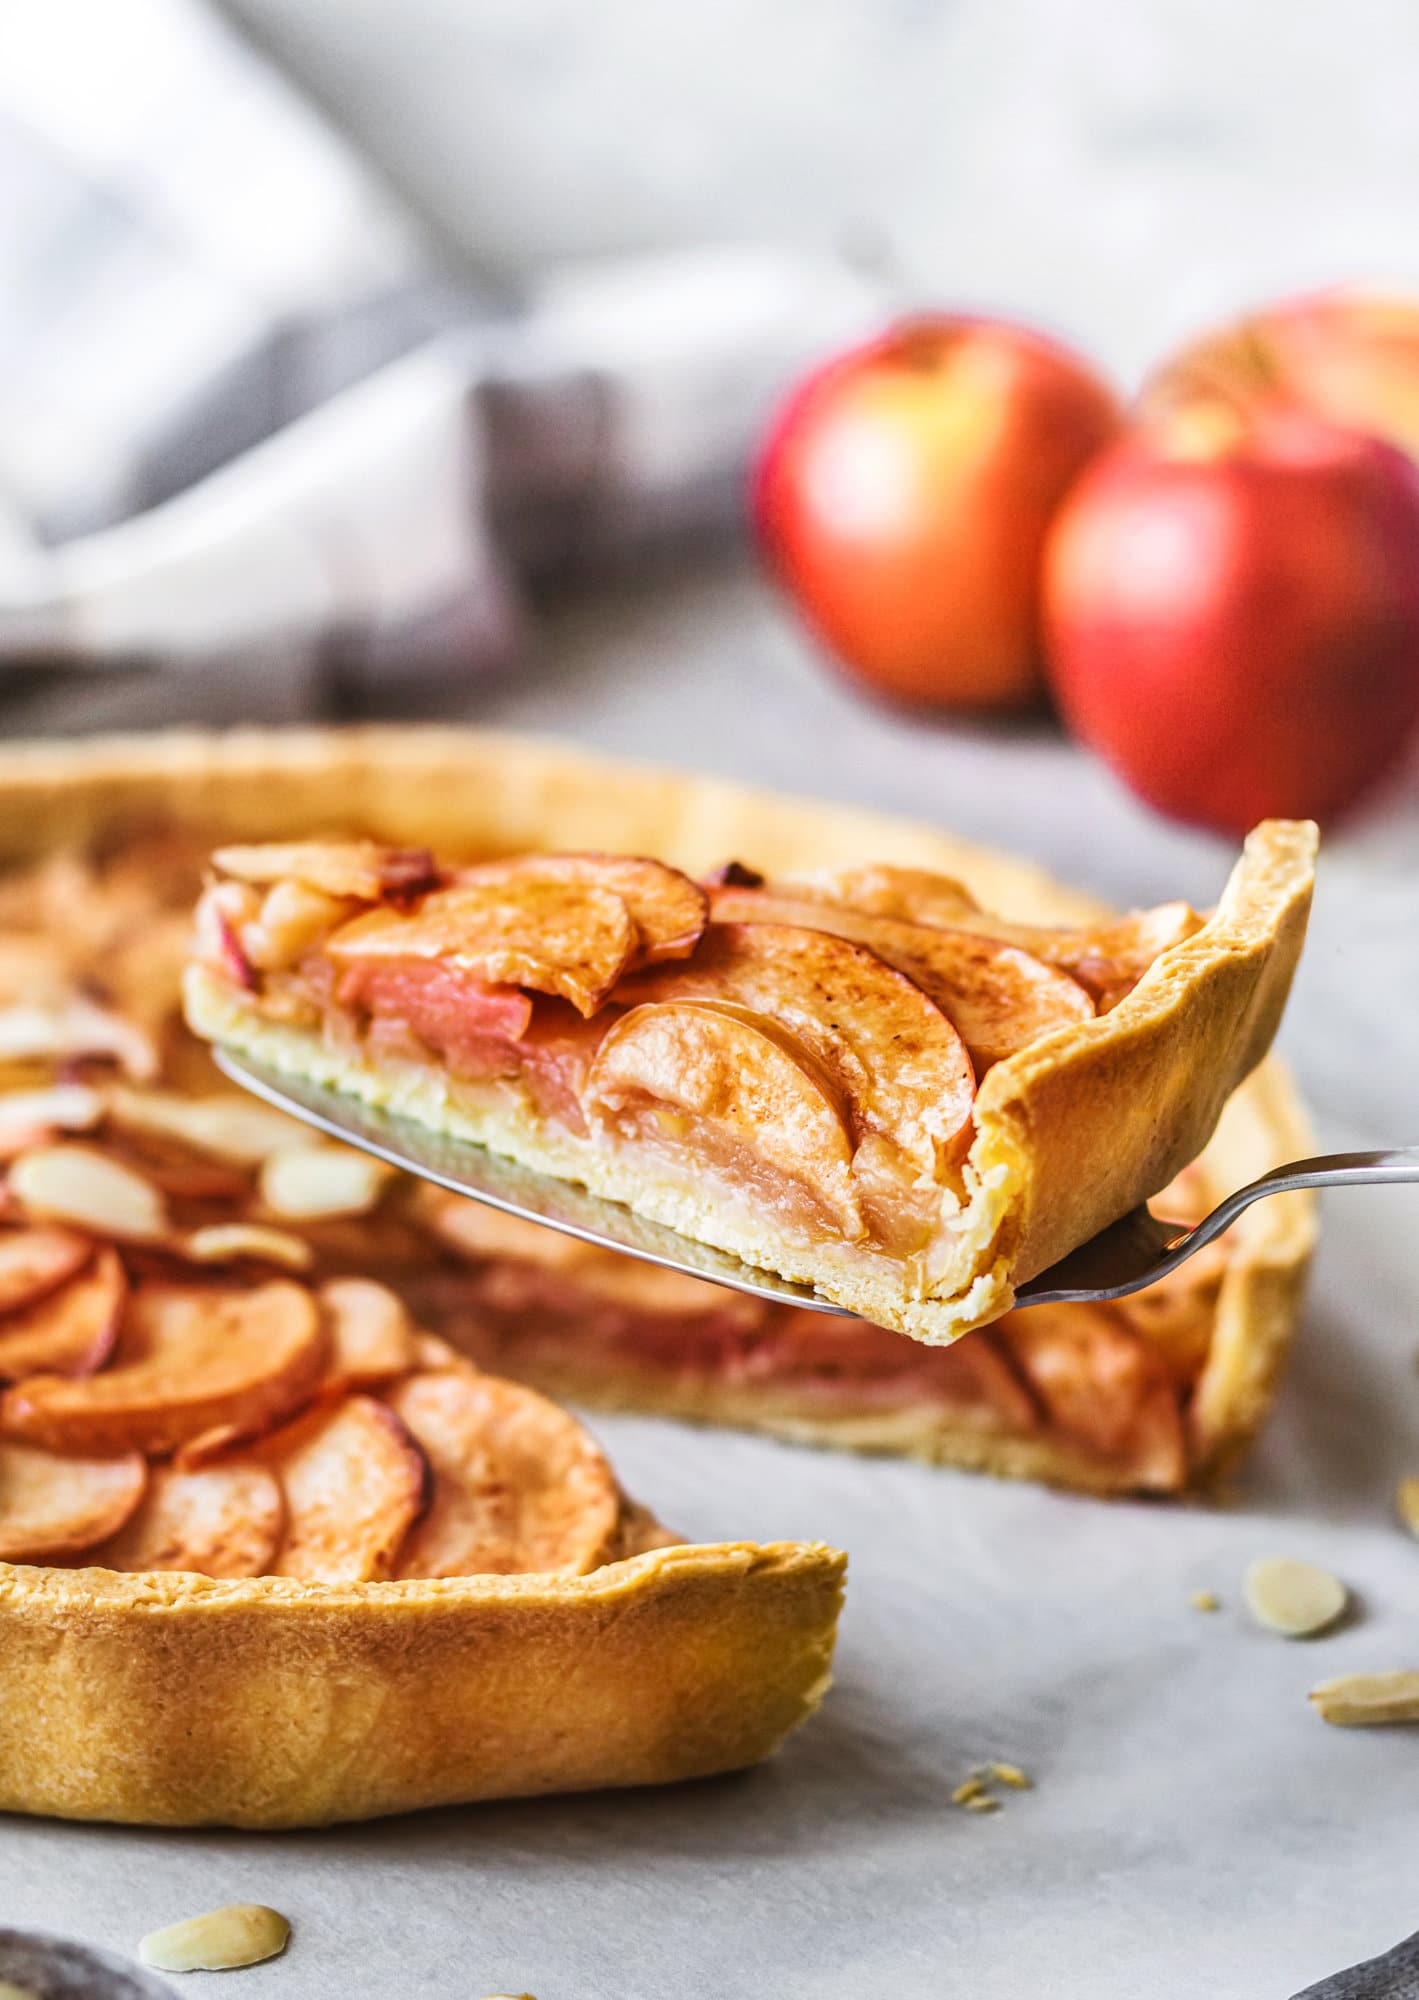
<point x="360" y="360"/>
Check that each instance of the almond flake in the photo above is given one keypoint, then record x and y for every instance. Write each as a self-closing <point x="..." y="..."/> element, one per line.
<point x="1296" y="1599"/>
<point x="72" y="1028"/>
<point x="1359" y="1700"/>
<point x="228" y="1125"/>
<point x="224" y="1242"/>
<point x="303" y="1182"/>
<point x="239" y="1934"/>
<point x="1406" y="1500"/>
<point x="80" y="1185"/>
<point x="65" y="1107"/>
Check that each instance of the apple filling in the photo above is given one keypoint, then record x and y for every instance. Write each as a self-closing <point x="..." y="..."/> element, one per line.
<point x="1092" y="1395"/>
<point x="806" y="1052"/>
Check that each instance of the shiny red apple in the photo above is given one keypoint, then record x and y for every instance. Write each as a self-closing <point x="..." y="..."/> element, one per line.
<point x="904" y="494"/>
<point x="1232" y="613"/>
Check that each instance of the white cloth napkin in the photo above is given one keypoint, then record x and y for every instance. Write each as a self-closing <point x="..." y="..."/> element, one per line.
<point x="254" y="430"/>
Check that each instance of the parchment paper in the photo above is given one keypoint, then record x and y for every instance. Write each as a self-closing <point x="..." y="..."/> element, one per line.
<point x="1194" y="1828"/>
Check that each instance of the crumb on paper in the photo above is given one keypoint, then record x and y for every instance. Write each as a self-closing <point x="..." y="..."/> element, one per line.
<point x="1406" y="1503"/>
<point x="1298" y="1600"/>
<point x="1011" y="1775"/>
<point x="1206" y="1600"/>
<point x="982" y="1803"/>
<point x="968" y="1789"/>
<point x="975" y="1791"/>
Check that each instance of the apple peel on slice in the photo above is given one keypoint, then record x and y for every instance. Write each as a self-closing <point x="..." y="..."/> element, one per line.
<point x="52" y="1506"/>
<point x="668" y="909"/>
<point x="38" y="1260"/>
<point x="569" y="938"/>
<point x="718" y="1075"/>
<point x="355" y="1482"/>
<point x="190" y="1358"/>
<point x="518" y="1484"/>
<point x="216" y="1520"/>
<point x="998" y="997"/>
<point x="70" y="1330"/>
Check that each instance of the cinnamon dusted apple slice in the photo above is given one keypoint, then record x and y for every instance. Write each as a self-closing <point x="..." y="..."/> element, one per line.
<point x="570" y="938"/>
<point x="354" y="1482"/>
<point x="68" y="1331"/>
<point x="372" y="1338"/>
<point x="669" y="910"/>
<point x="52" y="1506"/>
<point x="998" y="997"/>
<point x="1107" y="958"/>
<point x="219" y="1520"/>
<point x="190" y="1358"/>
<point x="701" y="1080"/>
<point x="361" y="869"/>
<point x="38" y="1260"/>
<point x="518" y="1484"/>
<point x="900" y="1065"/>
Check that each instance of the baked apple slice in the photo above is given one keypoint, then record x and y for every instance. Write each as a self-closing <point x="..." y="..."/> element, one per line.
<point x="53" y="1507"/>
<point x="354" y="1482"/>
<point x="518" y="1484"/>
<point x="38" y="1260"/>
<point x="372" y="1338"/>
<point x="359" y="869"/>
<point x="998" y="997"/>
<point x="1107" y="958"/>
<point x="668" y="909"/>
<point x="216" y="1520"/>
<point x="191" y="1358"/>
<point x="70" y="1331"/>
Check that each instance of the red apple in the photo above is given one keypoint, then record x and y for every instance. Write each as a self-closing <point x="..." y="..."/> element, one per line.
<point x="904" y="494"/>
<point x="1348" y="354"/>
<point x="1232" y="610"/>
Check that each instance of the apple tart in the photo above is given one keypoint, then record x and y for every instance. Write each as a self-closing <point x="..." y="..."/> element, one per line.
<point x="855" y="1077"/>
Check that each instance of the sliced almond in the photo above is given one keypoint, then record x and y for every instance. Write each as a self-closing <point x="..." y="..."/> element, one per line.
<point x="73" y="1028"/>
<point x="308" y="1181"/>
<point x="228" y="1242"/>
<point x="372" y="1338"/>
<point x="190" y="1357"/>
<point x="36" y="1261"/>
<point x="354" y="1482"/>
<point x="293" y="918"/>
<point x="78" y="1184"/>
<point x="518" y="1484"/>
<point x="1358" y="1700"/>
<point x="216" y="1520"/>
<point x="238" y="1934"/>
<point x="228" y="1125"/>
<point x="1296" y="1599"/>
<point x="52" y="1505"/>
<point x="60" y="1107"/>
<point x="1406" y="1501"/>
<point x="69" y="1331"/>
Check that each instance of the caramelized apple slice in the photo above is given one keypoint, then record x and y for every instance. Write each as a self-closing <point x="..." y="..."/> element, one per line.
<point x="354" y="1482"/>
<point x="670" y="911"/>
<point x="999" y="998"/>
<point x="190" y="1358"/>
<point x="901" y="1065"/>
<point x="52" y="1506"/>
<point x="1101" y="1384"/>
<point x="36" y="1261"/>
<point x="222" y="1520"/>
<point x="1107" y="958"/>
<point x="692" y="1076"/>
<point x="518" y="1484"/>
<point x="569" y="938"/>
<point x="359" y="868"/>
<point x="70" y="1331"/>
<point x="372" y="1336"/>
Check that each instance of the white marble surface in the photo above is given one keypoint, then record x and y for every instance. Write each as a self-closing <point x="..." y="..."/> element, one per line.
<point x="1195" y="1829"/>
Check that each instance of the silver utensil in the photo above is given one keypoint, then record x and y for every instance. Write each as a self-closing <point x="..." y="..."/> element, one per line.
<point x="1133" y="1252"/>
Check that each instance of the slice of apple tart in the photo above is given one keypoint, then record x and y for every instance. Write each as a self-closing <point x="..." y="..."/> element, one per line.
<point x="860" y="1081"/>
